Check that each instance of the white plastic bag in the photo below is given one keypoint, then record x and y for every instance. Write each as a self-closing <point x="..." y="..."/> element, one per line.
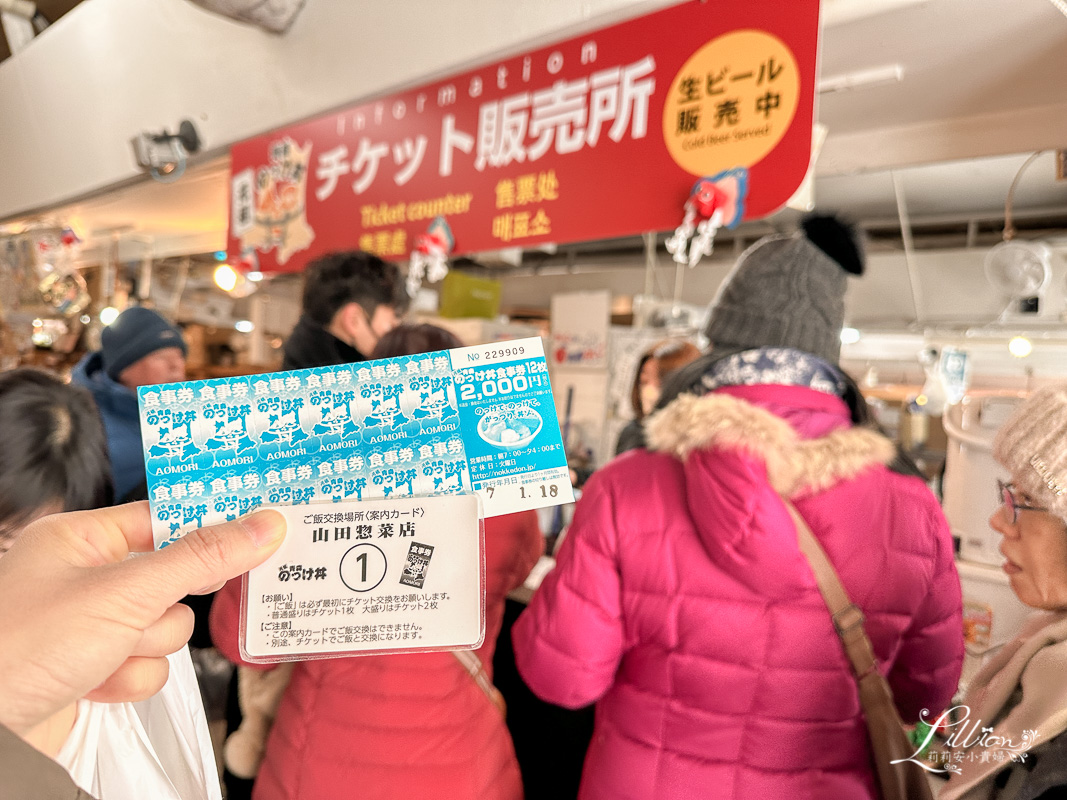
<point x="157" y="748"/>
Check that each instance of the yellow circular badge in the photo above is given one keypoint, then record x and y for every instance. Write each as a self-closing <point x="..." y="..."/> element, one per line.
<point x="731" y="102"/>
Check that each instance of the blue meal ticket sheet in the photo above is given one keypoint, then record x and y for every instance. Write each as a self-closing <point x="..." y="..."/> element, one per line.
<point x="476" y="418"/>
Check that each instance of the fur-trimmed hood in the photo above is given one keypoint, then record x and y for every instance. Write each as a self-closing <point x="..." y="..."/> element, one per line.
<point x="738" y="457"/>
<point x="794" y="465"/>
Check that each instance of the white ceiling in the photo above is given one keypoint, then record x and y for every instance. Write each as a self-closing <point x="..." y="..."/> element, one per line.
<point x="976" y="74"/>
<point x="955" y="190"/>
<point x="187" y="216"/>
<point x="961" y="58"/>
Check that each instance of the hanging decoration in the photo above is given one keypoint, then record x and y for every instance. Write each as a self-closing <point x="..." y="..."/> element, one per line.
<point x="61" y="285"/>
<point x="712" y="203"/>
<point x="429" y="259"/>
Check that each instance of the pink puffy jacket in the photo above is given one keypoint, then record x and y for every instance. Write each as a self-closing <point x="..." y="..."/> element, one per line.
<point x="682" y="605"/>
<point x="401" y="726"/>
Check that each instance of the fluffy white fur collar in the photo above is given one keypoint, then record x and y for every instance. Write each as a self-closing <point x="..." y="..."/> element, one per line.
<point x="794" y="465"/>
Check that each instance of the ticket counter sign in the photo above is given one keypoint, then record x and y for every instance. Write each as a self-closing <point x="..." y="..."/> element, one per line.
<point x="596" y="136"/>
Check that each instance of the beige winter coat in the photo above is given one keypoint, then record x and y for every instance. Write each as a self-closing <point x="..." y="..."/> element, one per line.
<point x="1022" y="689"/>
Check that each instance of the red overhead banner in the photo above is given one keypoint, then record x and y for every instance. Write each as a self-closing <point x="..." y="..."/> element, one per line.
<point x="598" y="136"/>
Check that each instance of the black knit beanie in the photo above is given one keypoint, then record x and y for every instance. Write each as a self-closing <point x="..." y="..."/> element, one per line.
<point x="136" y="333"/>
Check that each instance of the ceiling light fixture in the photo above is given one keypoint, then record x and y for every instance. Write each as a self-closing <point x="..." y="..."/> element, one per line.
<point x="225" y="278"/>
<point x="1020" y="347"/>
<point x="862" y="79"/>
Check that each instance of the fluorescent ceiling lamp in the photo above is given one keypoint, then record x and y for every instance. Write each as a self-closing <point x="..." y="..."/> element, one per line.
<point x="838" y="12"/>
<point x="1020" y="347"/>
<point x="849" y="336"/>
<point x="862" y="79"/>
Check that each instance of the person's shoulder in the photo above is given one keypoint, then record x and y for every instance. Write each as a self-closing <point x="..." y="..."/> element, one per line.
<point x="632" y="470"/>
<point x="911" y="489"/>
<point x="630" y="437"/>
<point x="110" y="395"/>
<point x="86" y="371"/>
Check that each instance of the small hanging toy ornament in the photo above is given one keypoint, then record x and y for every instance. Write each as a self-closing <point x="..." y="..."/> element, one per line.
<point x="713" y="202"/>
<point x="430" y="256"/>
<point x="249" y="261"/>
<point x="60" y="284"/>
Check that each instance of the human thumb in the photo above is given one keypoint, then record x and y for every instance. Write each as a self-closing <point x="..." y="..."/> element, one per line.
<point x="204" y="557"/>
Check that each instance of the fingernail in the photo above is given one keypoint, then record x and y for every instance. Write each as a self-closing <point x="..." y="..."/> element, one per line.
<point x="264" y="527"/>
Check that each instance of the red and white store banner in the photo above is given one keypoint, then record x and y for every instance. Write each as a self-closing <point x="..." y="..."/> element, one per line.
<point x="598" y="136"/>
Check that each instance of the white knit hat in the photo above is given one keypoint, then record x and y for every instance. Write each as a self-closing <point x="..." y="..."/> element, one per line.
<point x="1032" y="445"/>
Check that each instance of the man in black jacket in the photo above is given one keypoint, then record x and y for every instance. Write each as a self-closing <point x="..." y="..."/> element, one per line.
<point x="351" y="299"/>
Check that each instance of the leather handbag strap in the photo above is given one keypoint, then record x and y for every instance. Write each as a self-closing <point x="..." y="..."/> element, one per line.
<point x="474" y="667"/>
<point x="847" y="617"/>
<point x="899" y="776"/>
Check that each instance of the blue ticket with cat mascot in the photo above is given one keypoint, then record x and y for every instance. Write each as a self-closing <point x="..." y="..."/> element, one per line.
<point x="476" y="418"/>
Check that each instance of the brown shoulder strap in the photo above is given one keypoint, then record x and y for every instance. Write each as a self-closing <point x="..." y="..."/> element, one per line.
<point x="847" y="617"/>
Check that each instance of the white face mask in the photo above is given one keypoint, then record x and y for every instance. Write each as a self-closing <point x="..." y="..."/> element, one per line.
<point x="649" y="396"/>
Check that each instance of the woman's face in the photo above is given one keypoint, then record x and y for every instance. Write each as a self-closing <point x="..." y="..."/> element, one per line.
<point x="1035" y="547"/>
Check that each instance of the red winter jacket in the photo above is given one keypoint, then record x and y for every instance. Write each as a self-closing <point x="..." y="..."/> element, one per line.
<point x="683" y="607"/>
<point x="398" y="726"/>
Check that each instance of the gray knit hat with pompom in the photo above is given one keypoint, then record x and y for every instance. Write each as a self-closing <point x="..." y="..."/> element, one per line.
<point x="789" y="291"/>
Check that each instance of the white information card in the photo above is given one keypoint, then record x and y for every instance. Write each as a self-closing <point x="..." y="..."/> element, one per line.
<point x="372" y="577"/>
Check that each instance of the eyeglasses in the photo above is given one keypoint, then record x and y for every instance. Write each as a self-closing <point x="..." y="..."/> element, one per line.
<point x="1007" y="497"/>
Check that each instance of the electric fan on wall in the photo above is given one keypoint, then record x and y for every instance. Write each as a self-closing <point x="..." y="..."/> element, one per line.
<point x="1019" y="269"/>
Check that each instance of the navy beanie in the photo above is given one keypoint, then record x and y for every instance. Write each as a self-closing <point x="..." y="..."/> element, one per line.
<point x="136" y="333"/>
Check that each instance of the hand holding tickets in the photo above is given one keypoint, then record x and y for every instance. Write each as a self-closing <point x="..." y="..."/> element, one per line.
<point x="78" y="618"/>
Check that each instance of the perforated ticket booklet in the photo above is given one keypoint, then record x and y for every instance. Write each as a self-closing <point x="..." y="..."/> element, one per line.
<point x="473" y="419"/>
